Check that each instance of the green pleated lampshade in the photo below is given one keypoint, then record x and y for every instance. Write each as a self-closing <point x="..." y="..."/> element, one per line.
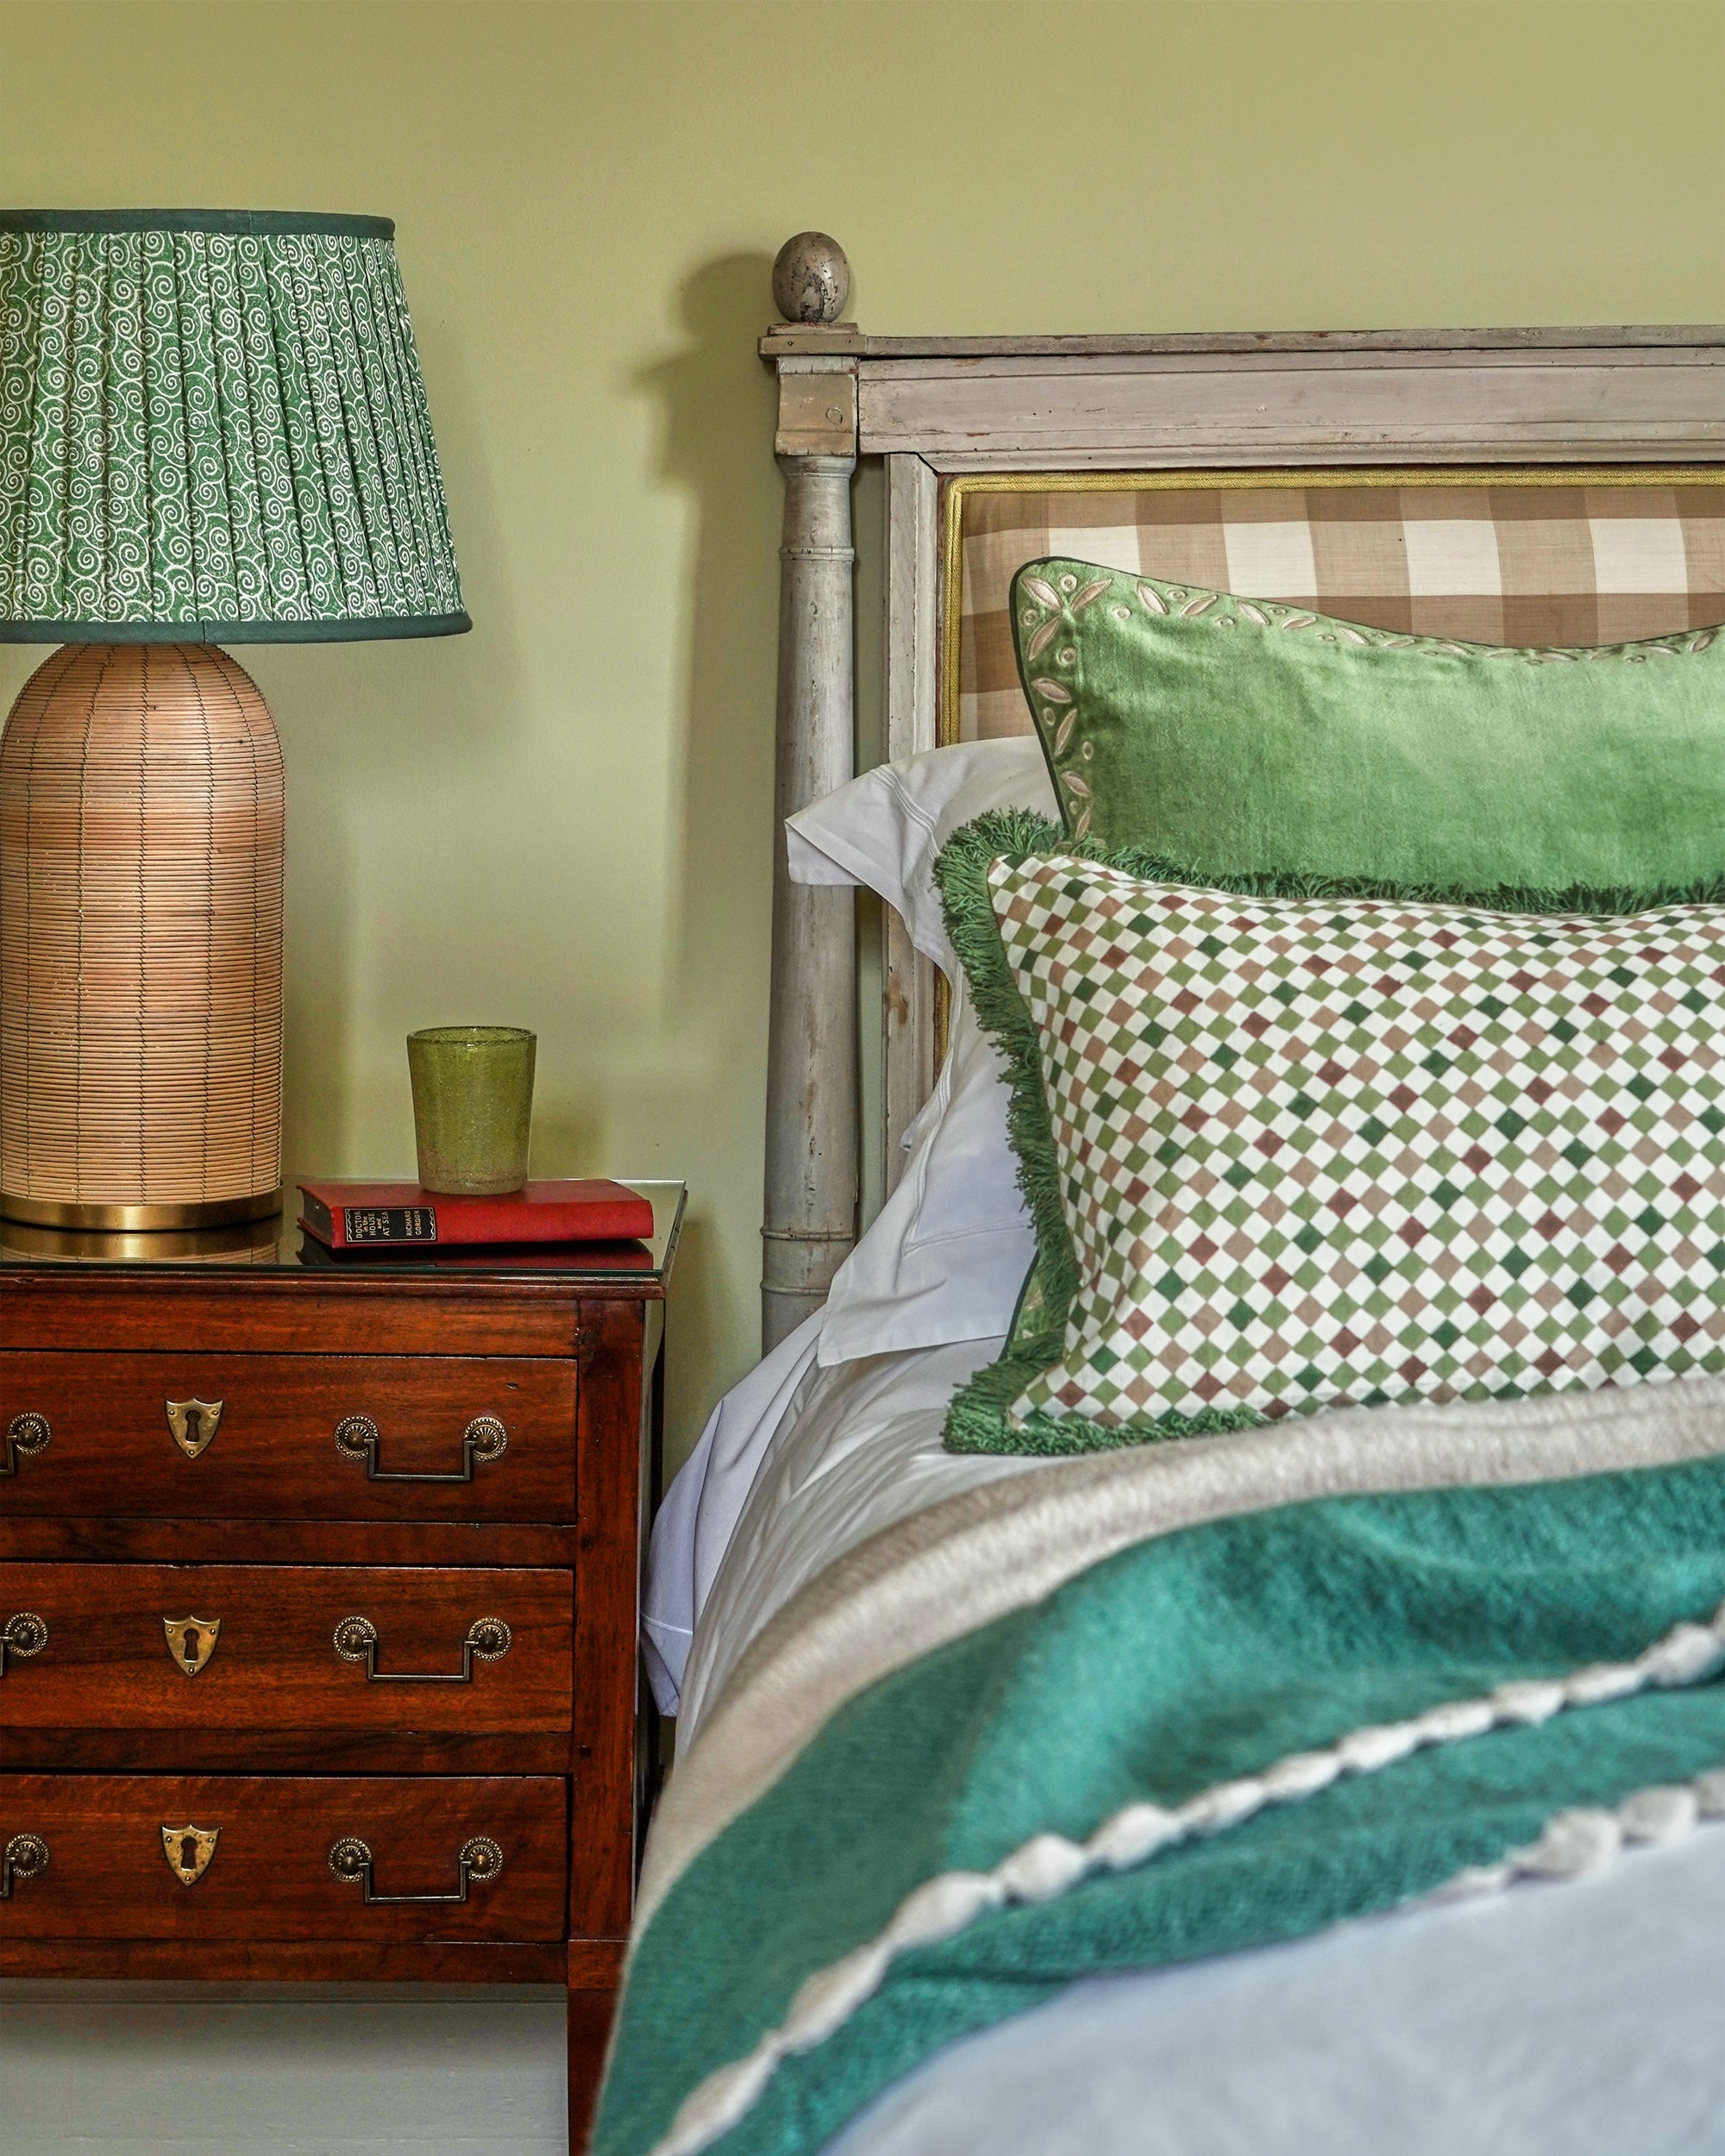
<point x="213" y="430"/>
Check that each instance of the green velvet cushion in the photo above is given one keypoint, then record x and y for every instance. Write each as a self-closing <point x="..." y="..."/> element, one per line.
<point x="1236" y="736"/>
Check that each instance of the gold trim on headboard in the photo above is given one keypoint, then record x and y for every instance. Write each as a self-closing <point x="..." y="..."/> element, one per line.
<point x="955" y="490"/>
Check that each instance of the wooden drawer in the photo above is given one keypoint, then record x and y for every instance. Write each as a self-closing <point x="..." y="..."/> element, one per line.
<point x="113" y="1843"/>
<point x="218" y="1665"/>
<point x="112" y="1447"/>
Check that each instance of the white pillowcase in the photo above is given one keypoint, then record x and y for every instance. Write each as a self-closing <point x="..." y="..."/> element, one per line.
<point x="948" y="1254"/>
<point x="885" y="830"/>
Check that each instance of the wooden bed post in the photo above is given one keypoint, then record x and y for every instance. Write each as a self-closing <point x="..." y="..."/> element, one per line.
<point x="810" y="1220"/>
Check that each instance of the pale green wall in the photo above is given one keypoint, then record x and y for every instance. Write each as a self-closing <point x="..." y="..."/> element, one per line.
<point x="564" y="819"/>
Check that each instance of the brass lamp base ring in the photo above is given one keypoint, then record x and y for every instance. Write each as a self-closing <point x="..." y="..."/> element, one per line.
<point x="212" y="1212"/>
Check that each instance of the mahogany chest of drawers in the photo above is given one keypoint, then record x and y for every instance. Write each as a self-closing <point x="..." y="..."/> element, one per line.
<point x="319" y="1585"/>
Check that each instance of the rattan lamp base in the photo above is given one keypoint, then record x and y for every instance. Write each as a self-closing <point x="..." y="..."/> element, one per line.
<point x="140" y="942"/>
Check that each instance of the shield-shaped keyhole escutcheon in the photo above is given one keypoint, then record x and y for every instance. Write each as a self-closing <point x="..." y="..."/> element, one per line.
<point x="188" y="1849"/>
<point x="194" y="1422"/>
<point x="191" y="1641"/>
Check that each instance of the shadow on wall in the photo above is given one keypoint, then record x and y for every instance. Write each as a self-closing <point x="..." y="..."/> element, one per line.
<point x="716" y="443"/>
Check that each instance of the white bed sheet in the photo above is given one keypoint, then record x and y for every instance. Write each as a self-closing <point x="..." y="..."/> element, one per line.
<point x="828" y="1458"/>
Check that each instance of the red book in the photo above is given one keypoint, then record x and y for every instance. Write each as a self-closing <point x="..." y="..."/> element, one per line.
<point x="393" y="1216"/>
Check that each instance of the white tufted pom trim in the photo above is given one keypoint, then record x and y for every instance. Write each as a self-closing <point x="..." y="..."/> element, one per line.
<point x="1456" y="1720"/>
<point x="714" y="2105"/>
<point x="1665" y="1815"/>
<point x="1604" y="1680"/>
<point x="1685" y="1656"/>
<point x="1529" y="1701"/>
<point x="1223" y="1806"/>
<point x="1366" y="1750"/>
<point x="1577" y="1842"/>
<point x="1141" y="1829"/>
<point x="1302" y="1774"/>
<point x="1573" y="1844"/>
<point x="1041" y="1868"/>
<point x="943" y="1906"/>
<point x="832" y="1994"/>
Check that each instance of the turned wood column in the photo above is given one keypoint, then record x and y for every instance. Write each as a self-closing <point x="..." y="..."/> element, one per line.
<point x="810" y="1220"/>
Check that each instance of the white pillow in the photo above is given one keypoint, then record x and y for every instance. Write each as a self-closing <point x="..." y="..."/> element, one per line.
<point x="886" y="828"/>
<point x="948" y="1254"/>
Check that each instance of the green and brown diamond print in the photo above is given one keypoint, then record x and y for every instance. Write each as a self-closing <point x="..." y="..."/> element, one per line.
<point x="1316" y="1151"/>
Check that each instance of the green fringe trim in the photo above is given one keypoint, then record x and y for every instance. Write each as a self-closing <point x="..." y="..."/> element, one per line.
<point x="976" y="1420"/>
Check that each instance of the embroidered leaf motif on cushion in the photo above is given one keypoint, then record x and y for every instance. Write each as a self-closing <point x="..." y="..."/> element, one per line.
<point x="1315" y="1150"/>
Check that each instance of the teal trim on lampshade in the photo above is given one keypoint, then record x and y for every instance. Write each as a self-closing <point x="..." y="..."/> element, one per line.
<point x="357" y="629"/>
<point x="213" y="428"/>
<point x="269" y="221"/>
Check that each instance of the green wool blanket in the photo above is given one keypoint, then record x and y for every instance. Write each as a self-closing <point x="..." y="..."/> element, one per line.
<point x="1236" y="1731"/>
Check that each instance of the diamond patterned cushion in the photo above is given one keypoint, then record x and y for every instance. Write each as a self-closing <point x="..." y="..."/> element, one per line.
<point x="1306" y="1150"/>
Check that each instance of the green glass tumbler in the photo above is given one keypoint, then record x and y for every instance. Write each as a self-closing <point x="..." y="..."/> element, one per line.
<point x="473" y="1106"/>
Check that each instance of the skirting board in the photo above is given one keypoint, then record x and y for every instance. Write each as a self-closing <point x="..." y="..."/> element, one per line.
<point x="283" y="2070"/>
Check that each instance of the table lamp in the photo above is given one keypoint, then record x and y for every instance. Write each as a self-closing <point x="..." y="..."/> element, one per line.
<point x="212" y="431"/>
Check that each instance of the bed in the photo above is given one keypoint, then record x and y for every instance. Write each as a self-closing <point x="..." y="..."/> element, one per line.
<point x="845" y="1612"/>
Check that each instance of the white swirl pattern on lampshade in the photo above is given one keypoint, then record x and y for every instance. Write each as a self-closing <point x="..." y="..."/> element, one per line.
<point x="209" y="431"/>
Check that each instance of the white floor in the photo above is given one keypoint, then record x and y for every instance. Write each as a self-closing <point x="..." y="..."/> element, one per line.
<point x="354" y="2070"/>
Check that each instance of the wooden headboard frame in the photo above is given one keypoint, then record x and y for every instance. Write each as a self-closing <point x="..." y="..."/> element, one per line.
<point x="934" y="406"/>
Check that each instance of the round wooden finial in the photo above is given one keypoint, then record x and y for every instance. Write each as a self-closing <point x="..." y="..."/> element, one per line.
<point x="811" y="279"/>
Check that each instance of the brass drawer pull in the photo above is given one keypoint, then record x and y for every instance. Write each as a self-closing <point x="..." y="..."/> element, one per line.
<point x="21" y="1637"/>
<point x="25" y="1857"/>
<point x="479" y="1859"/>
<point x="26" y="1436"/>
<point x="484" y="1440"/>
<point x="356" y="1640"/>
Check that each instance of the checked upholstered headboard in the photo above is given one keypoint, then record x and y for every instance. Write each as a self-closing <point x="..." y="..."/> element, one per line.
<point x="1525" y="557"/>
